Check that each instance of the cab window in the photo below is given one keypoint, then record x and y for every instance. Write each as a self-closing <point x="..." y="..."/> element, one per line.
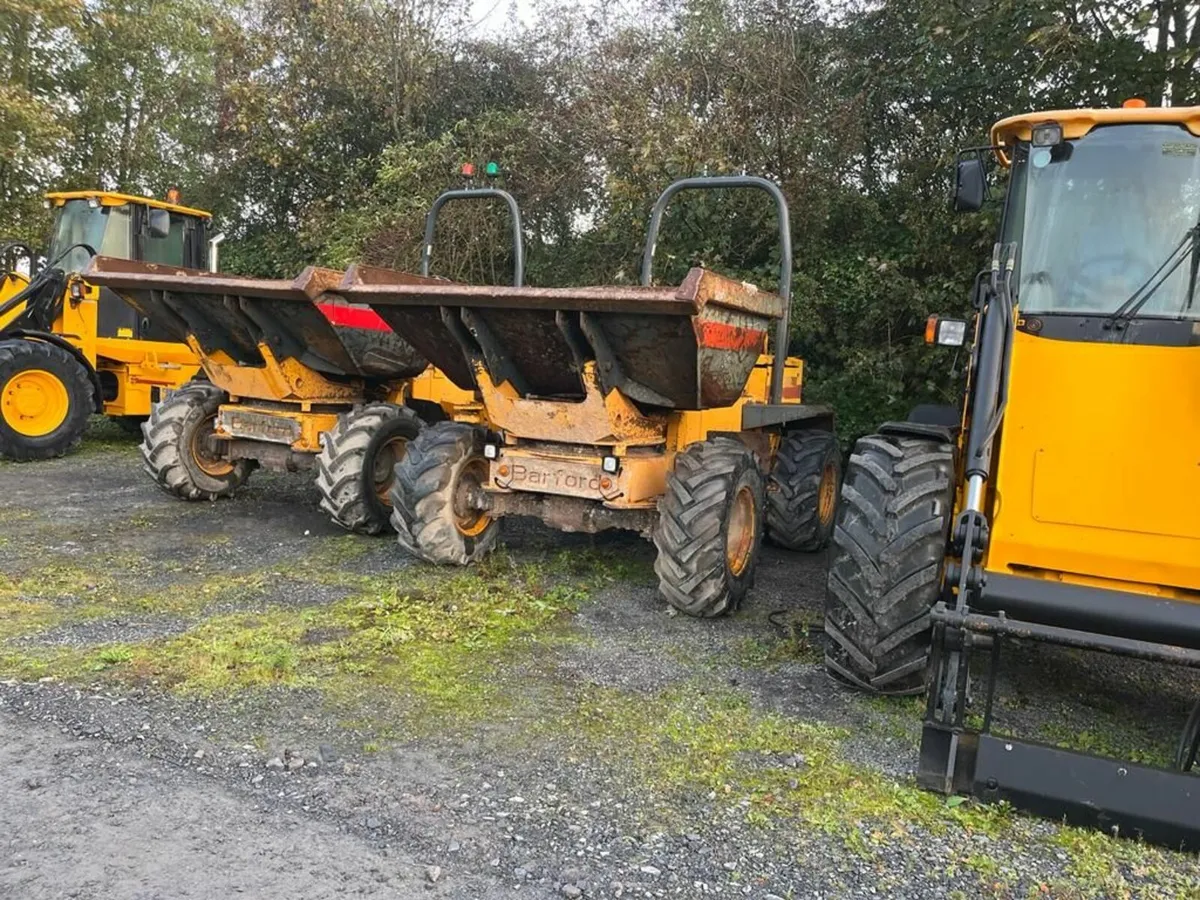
<point x="168" y="250"/>
<point x="80" y="225"/>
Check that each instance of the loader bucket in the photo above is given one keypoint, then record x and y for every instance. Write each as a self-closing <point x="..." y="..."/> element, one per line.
<point x="688" y="347"/>
<point x="304" y="319"/>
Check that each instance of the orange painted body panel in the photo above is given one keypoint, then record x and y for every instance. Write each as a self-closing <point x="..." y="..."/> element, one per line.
<point x="1098" y="473"/>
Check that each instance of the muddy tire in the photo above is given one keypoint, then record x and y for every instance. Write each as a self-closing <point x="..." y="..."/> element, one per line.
<point x="178" y="452"/>
<point x="709" y="529"/>
<point x="803" y="491"/>
<point x="430" y="510"/>
<point x="357" y="465"/>
<point x="886" y="565"/>
<point x="46" y="398"/>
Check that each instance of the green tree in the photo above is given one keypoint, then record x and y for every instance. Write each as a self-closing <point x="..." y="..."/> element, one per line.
<point x="142" y="85"/>
<point x="35" y="44"/>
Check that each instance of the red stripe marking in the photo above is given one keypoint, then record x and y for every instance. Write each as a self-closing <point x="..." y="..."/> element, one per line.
<point x="353" y="316"/>
<point x="720" y="336"/>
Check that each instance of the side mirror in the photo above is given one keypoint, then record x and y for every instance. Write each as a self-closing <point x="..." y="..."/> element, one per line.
<point x="970" y="184"/>
<point x="159" y="222"/>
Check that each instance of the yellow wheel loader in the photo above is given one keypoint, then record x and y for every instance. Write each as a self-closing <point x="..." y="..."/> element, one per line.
<point x="69" y="349"/>
<point x="651" y="409"/>
<point x="296" y="378"/>
<point x="1029" y="516"/>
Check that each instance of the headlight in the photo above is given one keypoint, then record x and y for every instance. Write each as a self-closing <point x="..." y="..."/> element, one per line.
<point x="1048" y="134"/>
<point x="491" y="451"/>
<point x="610" y="465"/>
<point x="945" y="332"/>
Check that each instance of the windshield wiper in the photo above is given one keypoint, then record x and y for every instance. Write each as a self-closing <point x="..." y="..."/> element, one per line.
<point x="1135" y="301"/>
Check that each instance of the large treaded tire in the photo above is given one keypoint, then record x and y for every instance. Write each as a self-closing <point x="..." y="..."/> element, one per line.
<point x="171" y="433"/>
<point x="694" y="571"/>
<point x="355" y="489"/>
<point x="428" y="487"/>
<point x="20" y="355"/>
<point x="803" y="491"/>
<point x="885" y="571"/>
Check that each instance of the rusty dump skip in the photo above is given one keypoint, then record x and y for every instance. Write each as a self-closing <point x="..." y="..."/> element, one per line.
<point x="687" y="347"/>
<point x="304" y="319"/>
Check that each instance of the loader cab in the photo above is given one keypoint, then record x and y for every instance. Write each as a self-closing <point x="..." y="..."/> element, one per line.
<point x="1103" y="217"/>
<point x="1103" y="213"/>
<point x="125" y="227"/>
<point x="1064" y="509"/>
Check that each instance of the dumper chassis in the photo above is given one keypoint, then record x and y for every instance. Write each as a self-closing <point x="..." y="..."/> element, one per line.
<point x="651" y="409"/>
<point x="296" y="379"/>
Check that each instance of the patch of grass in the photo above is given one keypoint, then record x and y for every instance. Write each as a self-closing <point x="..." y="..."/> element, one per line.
<point x="19" y="617"/>
<point x="442" y="639"/>
<point x="428" y="639"/>
<point x="697" y="739"/>
<point x="58" y="581"/>
<point x="601" y="565"/>
<point x="324" y="553"/>
<point x="756" y="653"/>
<point x="220" y="654"/>
<point x="191" y="597"/>
<point x="51" y="595"/>
<point x="32" y="666"/>
<point x="1113" y="737"/>
<point x="985" y="865"/>
<point x="1101" y="866"/>
<point x="16" y="514"/>
<point x="113" y="655"/>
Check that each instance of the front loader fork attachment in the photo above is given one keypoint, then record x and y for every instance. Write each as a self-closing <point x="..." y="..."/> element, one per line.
<point x="948" y="745"/>
<point x="947" y="759"/>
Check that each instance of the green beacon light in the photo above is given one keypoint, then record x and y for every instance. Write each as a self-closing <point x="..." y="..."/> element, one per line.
<point x="492" y="170"/>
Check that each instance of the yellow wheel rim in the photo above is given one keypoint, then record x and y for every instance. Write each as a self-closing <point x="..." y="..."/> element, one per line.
<point x="34" y="402"/>
<point x="827" y="502"/>
<point x="739" y="537"/>
<point x="205" y="454"/>
<point x="470" y="522"/>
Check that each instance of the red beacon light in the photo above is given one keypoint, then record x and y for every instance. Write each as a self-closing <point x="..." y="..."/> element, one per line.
<point x="468" y="170"/>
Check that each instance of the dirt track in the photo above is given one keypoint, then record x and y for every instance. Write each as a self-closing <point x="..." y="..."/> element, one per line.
<point x="221" y="699"/>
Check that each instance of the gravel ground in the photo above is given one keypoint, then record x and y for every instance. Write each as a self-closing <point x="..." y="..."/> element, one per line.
<point x="206" y="700"/>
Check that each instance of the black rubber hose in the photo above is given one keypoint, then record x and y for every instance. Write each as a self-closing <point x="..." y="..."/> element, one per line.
<point x="50" y="274"/>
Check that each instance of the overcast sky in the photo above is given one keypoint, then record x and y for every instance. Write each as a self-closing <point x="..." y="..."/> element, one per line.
<point x="492" y="15"/>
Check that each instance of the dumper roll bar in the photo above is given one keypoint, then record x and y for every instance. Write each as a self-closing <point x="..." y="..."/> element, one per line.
<point x="477" y="194"/>
<point x="718" y="182"/>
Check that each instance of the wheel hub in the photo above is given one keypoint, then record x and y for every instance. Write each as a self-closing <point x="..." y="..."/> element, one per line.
<point x="739" y="536"/>
<point x="468" y="518"/>
<point x="34" y="402"/>
<point x="207" y="452"/>
<point x="383" y="470"/>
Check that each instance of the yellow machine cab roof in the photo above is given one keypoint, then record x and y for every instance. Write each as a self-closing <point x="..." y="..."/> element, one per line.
<point x="1078" y="122"/>
<point x="111" y="198"/>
